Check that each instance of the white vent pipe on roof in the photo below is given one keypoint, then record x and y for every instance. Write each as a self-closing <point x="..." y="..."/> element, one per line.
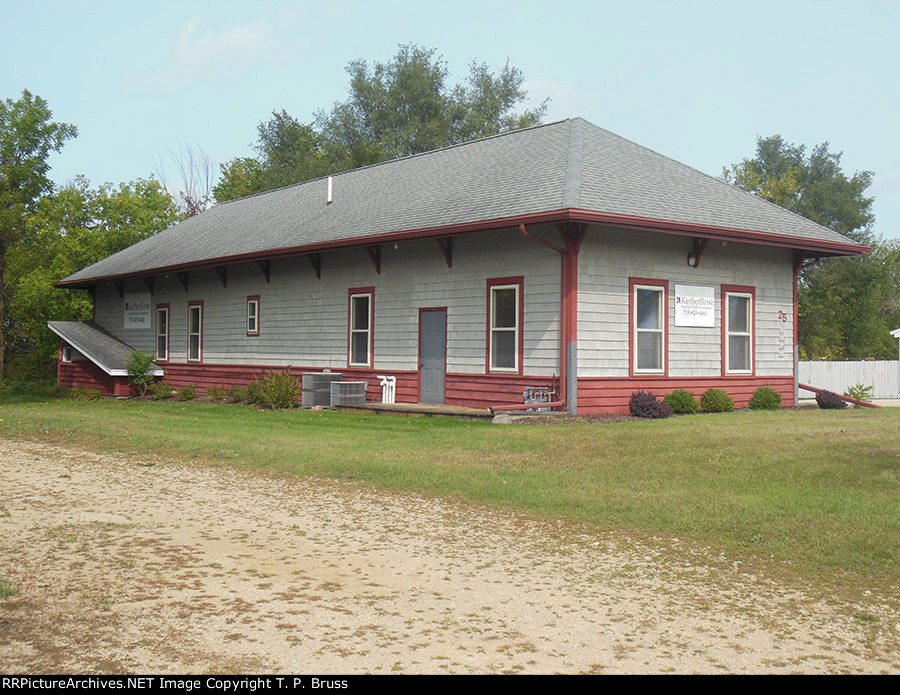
<point x="328" y="202"/>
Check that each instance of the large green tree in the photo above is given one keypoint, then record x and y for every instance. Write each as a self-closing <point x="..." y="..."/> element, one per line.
<point x="406" y="106"/>
<point x="846" y="304"/>
<point x="403" y="107"/>
<point x="68" y="230"/>
<point x="27" y="137"/>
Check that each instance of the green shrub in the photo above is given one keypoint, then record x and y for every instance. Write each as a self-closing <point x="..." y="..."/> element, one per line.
<point x="765" y="398"/>
<point x="24" y="387"/>
<point x="275" y="390"/>
<point x="188" y="392"/>
<point x="254" y="392"/>
<point x="216" y="393"/>
<point x="138" y="368"/>
<point x="860" y="392"/>
<point x="80" y="394"/>
<point x="161" y="390"/>
<point x="236" y="394"/>
<point x="829" y="400"/>
<point x="644" y="404"/>
<point x="716" y="401"/>
<point x="682" y="402"/>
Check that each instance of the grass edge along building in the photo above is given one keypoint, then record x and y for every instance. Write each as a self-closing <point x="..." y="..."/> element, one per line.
<point x="561" y="257"/>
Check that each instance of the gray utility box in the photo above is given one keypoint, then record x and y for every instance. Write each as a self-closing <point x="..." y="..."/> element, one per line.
<point x="317" y="388"/>
<point x="348" y="392"/>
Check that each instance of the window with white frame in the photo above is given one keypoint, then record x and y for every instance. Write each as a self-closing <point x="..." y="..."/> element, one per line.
<point x="162" y="333"/>
<point x="649" y="306"/>
<point x="195" y="332"/>
<point x="252" y="315"/>
<point x="361" y="330"/>
<point x="738" y="332"/>
<point x="504" y="338"/>
<point x="67" y="354"/>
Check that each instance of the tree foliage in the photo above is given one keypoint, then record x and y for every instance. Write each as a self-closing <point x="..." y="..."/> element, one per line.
<point x="402" y="107"/>
<point x="847" y="306"/>
<point x="27" y="137"/>
<point x="68" y="230"/>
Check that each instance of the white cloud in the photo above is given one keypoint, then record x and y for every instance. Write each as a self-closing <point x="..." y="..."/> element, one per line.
<point x="202" y="50"/>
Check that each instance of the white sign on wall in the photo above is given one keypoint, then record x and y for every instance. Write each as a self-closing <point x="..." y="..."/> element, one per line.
<point x="695" y="306"/>
<point x="137" y="310"/>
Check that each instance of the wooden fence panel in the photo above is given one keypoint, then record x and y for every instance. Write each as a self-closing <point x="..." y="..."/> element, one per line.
<point x="883" y="376"/>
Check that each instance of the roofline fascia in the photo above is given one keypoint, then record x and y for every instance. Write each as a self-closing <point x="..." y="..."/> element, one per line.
<point x="109" y="370"/>
<point x="562" y="215"/>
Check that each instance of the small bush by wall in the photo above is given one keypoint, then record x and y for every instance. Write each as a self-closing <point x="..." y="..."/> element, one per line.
<point x="161" y="390"/>
<point x="275" y="390"/>
<point x="716" y="401"/>
<point x="188" y="392"/>
<point x="829" y="400"/>
<point x="682" y="402"/>
<point x="765" y="398"/>
<point x="644" y="404"/>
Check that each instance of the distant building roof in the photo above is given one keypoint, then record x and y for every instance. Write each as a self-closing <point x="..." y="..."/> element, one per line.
<point x="565" y="170"/>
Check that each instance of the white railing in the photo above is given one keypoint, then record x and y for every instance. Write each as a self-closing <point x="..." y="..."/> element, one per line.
<point x="883" y="376"/>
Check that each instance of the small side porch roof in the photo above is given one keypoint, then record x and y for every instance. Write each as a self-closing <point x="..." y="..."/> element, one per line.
<point x="100" y="347"/>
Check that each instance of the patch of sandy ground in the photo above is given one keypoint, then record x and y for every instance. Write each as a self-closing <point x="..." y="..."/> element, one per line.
<point x="158" y="566"/>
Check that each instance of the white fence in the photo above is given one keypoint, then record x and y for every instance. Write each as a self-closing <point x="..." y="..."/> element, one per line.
<point x="883" y="376"/>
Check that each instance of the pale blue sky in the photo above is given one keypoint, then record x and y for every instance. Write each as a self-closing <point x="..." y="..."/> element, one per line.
<point x="696" y="81"/>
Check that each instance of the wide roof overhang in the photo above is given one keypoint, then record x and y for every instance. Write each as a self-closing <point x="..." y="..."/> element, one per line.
<point x="812" y="247"/>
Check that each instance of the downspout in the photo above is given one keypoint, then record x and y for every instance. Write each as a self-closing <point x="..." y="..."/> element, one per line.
<point x="568" y="314"/>
<point x="563" y="328"/>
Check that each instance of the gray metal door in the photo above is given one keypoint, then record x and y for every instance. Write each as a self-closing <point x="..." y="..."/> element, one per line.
<point x="432" y="355"/>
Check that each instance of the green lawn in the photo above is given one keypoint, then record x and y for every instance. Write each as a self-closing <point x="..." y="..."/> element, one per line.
<point x="817" y="491"/>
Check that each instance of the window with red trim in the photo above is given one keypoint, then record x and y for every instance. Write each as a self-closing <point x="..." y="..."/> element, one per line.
<point x="162" y="332"/>
<point x="504" y="325"/>
<point x="252" y="316"/>
<point x="359" y="332"/>
<point x="649" y="321"/>
<point x="195" y="331"/>
<point x="737" y="329"/>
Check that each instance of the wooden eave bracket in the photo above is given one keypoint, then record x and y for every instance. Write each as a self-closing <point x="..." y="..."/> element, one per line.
<point x="222" y="272"/>
<point x="120" y="287"/>
<point x="375" y="254"/>
<point x="266" y="268"/>
<point x="315" y="260"/>
<point x="804" y="260"/>
<point x="699" y="247"/>
<point x="446" y="246"/>
<point x="184" y="280"/>
<point x="149" y="283"/>
<point x="541" y="240"/>
<point x="572" y="235"/>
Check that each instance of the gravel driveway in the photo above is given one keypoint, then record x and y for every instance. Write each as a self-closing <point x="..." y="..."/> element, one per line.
<point x="156" y="566"/>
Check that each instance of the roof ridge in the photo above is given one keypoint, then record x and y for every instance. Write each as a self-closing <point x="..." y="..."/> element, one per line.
<point x="721" y="182"/>
<point x="325" y="177"/>
<point x="574" y="164"/>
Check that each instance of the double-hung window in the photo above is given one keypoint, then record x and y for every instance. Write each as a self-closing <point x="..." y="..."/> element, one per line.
<point x="360" y="334"/>
<point x="195" y="331"/>
<point x="252" y="316"/>
<point x="737" y="321"/>
<point x="162" y="332"/>
<point x="504" y="329"/>
<point x="649" y="320"/>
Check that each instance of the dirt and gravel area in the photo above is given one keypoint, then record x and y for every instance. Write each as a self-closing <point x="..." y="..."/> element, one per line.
<point x="149" y="565"/>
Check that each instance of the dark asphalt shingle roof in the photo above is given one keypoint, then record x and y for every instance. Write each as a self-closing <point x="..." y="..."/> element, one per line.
<point x="570" y="164"/>
<point x="98" y="345"/>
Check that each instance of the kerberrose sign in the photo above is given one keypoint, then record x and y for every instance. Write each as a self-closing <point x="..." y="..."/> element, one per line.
<point x="695" y="306"/>
<point x="137" y="310"/>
